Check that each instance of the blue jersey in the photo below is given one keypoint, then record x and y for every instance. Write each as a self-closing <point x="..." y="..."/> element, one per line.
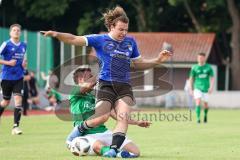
<point x="114" y="56"/>
<point x="8" y="51"/>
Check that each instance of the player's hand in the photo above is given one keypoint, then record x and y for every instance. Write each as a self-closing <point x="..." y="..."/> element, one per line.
<point x="145" y="124"/>
<point x="27" y="78"/>
<point x="164" y="55"/>
<point x="12" y="62"/>
<point x="24" y="63"/>
<point x="49" y="33"/>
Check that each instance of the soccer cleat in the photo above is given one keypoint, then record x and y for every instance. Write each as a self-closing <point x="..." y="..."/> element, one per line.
<point x="123" y="154"/>
<point x="16" y="131"/>
<point x="205" y="120"/>
<point x="198" y="121"/>
<point x="126" y="154"/>
<point x="110" y="154"/>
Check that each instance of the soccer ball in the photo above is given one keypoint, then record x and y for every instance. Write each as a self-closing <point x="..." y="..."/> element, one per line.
<point x="80" y="146"/>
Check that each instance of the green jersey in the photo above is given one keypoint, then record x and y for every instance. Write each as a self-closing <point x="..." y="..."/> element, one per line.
<point x="201" y="76"/>
<point x="83" y="107"/>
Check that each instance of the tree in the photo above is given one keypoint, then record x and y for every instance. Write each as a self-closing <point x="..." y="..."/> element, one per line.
<point x="235" y="43"/>
<point x="190" y="12"/>
<point x="213" y="16"/>
<point x="141" y="18"/>
<point x="151" y="15"/>
<point x="43" y="9"/>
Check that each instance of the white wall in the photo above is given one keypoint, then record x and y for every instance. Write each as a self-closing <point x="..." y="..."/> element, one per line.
<point x="218" y="99"/>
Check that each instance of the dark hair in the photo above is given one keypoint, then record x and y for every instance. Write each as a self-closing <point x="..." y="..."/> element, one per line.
<point x="112" y="16"/>
<point x="15" y="25"/>
<point x="202" y="54"/>
<point x="79" y="73"/>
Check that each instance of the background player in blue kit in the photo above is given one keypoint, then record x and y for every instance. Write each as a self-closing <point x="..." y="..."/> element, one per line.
<point x="13" y="53"/>
<point x="115" y="52"/>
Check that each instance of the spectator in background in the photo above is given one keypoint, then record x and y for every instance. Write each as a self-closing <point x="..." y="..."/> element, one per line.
<point x="54" y="99"/>
<point x="25" y="97"/>
<point x="33" y="91"/>
<point x="51" y="79"/>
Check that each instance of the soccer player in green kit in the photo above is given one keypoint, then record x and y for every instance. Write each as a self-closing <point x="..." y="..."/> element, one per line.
<point x="202" y="80"/>
<point x="82" y="103"/>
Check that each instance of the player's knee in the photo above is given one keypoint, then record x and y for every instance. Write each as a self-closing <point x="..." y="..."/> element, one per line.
<point x="5" y="103"/>
<point x="198" y="102"/>
<point x="97" y="147"/>
<point x="136" y="151"/>
<point x="18" y="100"/>
<point x="205" y="105"/>
<point x="131" y="147"/>
<point x="123" y="117"/>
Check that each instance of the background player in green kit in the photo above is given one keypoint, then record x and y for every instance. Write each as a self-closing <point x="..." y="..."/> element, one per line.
<point x="202" y="80"/>
<point x="82" y="103"/>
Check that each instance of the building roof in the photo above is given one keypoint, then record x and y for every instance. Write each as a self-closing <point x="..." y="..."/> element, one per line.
<point x="185" y="45"/>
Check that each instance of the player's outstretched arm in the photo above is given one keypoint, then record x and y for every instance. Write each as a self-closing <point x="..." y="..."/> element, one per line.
<point x="142" y="63"/>
<point x="66" y="37"/>
<point x="145" y="124"/>
<point x="12" y="62"/>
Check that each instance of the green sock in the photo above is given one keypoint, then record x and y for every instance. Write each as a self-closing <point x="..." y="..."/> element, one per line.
<point x="104" y="149"/>
<point x="198" y="111"/>
<point x="205" y="112"/>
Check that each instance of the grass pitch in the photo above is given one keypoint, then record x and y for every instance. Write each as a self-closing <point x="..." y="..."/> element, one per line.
<point x="176" y="136"/>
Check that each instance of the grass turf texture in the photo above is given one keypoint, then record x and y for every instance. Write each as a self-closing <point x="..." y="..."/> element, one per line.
<point x="44" y="138"/>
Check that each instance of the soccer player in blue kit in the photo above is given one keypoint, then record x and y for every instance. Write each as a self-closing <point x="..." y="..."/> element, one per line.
<point x="13" y="53"/>
<point x="115" y="51"/>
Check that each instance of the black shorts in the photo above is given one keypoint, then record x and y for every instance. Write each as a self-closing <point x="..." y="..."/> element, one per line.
<point x="33" y="93"/>
<point x="112" y="91"/>
<point x="11" y="86"/>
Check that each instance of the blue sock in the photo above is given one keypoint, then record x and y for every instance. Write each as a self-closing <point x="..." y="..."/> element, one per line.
<point x="74" y="133"/>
